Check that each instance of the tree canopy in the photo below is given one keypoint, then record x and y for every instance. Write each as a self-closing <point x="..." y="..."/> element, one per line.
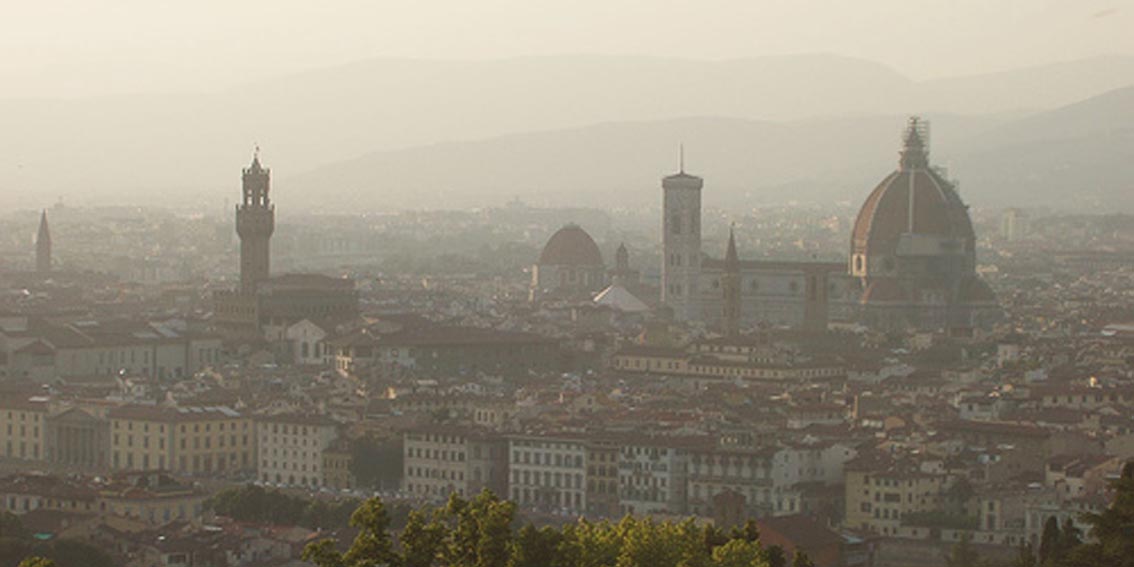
<point x="482" y="532"/>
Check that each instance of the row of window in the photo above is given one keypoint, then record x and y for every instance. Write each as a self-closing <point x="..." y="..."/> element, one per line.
<point x="184" y="428"/>
<point x="197" y="442"/>
<point x="302" y="467"/>
<point x="547" y="459"/>
<point x="436" y="454"/>
<point x="549" y="479"/>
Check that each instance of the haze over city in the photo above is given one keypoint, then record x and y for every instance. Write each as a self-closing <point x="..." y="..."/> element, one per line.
<point x="362" y="95"/>
<point x="620" y="283"/>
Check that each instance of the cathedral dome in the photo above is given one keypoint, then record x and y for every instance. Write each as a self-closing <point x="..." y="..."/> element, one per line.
<point x="571" y="246"/>
<point x="916" y="200"/>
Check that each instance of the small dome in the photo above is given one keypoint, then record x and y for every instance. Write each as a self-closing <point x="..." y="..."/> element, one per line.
<point x="571" y="246"/>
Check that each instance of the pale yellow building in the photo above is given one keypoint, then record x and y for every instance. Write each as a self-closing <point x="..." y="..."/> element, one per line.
<point x="23" y="433"/>
<point x="880" y="493"/>
<point x="191" y="441"/>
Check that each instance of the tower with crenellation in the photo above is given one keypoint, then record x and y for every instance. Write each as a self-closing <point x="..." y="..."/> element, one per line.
<point x="255" y="223"/>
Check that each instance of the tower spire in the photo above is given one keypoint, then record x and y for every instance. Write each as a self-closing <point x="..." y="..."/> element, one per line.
<point x="732" y="260"/>
<point x="681" y="157"/>
<point x="43" y="245"/>
<point x="730" y="287"/>
<point x="915" y="150"/>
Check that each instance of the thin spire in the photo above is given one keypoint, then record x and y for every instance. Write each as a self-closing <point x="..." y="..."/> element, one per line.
<point x="43" y="245"/>
<point x="732" y="259"/>
<point x="44" y="233"/>
<point x="681" y="158"/>
<point x="915" y="150"/>
<point x="256" y="157"/>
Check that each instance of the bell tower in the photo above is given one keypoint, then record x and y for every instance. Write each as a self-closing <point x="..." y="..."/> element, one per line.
<point x="255" y="222"/>
<point x="681" y="243"/>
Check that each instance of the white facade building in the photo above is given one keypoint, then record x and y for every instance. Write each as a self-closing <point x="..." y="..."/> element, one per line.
<point x="548" y="473"/>
<point x="291" y="448"/>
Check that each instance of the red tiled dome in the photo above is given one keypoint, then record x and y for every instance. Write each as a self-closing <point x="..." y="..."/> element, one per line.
<point x="936" y="209"/>
<point x="571" y="246"/>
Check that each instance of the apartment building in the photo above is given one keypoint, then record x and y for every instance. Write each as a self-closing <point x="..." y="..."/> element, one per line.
<point x="186" y="440"/>
<point x="652" y="475"/>
<point x="881" y="491"/>
<point x="444" y="460"/>
<point x="292" y="446"/>
<point x="548" y="472"/>
<point x="23" y="430"/>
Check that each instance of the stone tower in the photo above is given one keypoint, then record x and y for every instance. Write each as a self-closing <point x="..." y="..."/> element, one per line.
<point x="681" y="243"/>
<point x="730" y="288"/>
<point x="255" y="222"/>
<point x="43" y="246"/>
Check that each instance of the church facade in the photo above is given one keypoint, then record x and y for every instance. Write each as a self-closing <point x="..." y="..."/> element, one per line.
<point x="695" y="285"/>
<point x="912" y="262"/>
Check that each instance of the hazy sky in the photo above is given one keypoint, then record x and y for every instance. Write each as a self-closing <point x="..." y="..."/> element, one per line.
<point x="78" y="47"/>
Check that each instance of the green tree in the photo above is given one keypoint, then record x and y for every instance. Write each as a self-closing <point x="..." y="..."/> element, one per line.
<point x="587" y="544"/>
<point x="801" y="560"/>
<point x="1069" y="538"/>
<point x="37" y="562"/>
<point x="1025" y="556"/>
<point x="1049" y="542"/>
<point x="494" y="526"/>
<point x="646" y="545"/>
<point x="534" y="547"/>
<point x="1113" y="528"/>
<point x="775" y="556"/>
<point x="962" y="554"/>
<point x="713" y="537"/>
<point x="749" y="532"/>
<point x="421" y="541"/>
<point x="738" y="553"/>
<point x="323" y="554"/>
<point x="371" y="548"/>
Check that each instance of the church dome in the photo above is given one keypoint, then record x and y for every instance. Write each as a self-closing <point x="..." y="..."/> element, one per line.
<point x="571" y="246"/>
<point x="915" y="199"/>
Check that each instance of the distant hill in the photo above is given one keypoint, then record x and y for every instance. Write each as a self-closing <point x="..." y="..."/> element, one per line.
<point x="184" y="148"/>
<point x="1078" y="155"/>
<point x="621" y="163"/>
<point x="1081" y="155"/>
